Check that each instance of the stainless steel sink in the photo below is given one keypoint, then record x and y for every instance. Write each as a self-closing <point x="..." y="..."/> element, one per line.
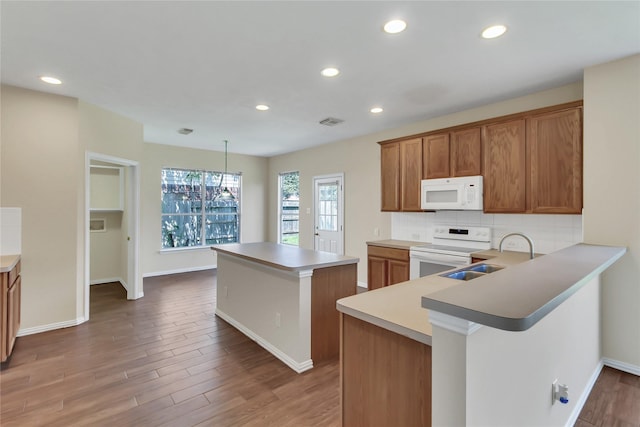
<point x="472" y="272"/>
<point x="486" y="268"/>
<point x="464" y="275"/>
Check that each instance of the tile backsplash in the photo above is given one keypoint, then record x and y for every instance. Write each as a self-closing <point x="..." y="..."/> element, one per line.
<point x="548" y="232"/>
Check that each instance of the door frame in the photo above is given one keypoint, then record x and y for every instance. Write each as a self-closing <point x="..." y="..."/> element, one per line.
<point x="132" y="197"/>
<point x="340" y="178"/>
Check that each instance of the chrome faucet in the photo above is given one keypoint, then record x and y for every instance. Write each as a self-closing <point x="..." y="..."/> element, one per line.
<point x="521" y="235"/>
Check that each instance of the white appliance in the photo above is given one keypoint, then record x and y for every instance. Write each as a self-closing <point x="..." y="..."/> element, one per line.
<point x="459" y="193"/>
<point x="452" y="247"/>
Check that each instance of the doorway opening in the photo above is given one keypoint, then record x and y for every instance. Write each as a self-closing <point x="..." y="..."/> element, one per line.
<point x="112" y="211"/>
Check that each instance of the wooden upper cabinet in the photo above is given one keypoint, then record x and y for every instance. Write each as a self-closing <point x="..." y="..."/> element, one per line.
<point x="401" y="171"/>
<point x="436" y="156"/>
<point x="466" y="152"/>
<point x="390" y="176"/>
<point x="410" y="174"/>
<point x="505" y="169"/>
<point x="531" y="162"/>
<point x="555" y="153"/>
<point x="457" y="153"/>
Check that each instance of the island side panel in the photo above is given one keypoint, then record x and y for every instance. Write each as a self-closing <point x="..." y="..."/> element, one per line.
<point x="385" y="377"/>
<point x="327" y="286"/>
<point x="270" y="306"/>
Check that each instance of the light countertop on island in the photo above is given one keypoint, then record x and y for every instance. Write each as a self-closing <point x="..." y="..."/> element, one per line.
<point x="397" y="308"/>
<point x="284" y="257"/>
<point x="7" y="262"/>
<point x="516" y="298"/>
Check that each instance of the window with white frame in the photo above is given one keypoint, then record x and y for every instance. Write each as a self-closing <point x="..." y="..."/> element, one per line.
<point x="289" y="208"/>
<point x="195" y="212"/>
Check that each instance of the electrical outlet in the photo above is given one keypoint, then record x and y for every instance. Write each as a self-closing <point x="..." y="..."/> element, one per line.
<point x="376" y="231"/>
<point x="226" y="292"/>
<point x="559" y="392"/>
<point x="277" y="320"/>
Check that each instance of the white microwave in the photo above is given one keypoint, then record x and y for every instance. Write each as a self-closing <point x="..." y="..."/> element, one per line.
<point x="459" y="193"/>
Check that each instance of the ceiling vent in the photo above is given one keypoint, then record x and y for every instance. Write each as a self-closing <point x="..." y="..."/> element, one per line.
<point x="331" y="121"/>
<point x="185" y="131"/>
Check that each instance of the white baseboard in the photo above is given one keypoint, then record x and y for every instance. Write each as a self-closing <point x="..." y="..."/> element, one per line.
<point x="584" y="396"/>
<point x="107" y="280"/>
<point x="180" y="270"/>
<point x="363" y="285"/>
<point x="50" y="327"/>
<point x="622" y="366"/>
<point x="296" y="366"/>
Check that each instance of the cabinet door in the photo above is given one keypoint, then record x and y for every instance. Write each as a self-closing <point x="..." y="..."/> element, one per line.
<point x="13" y="313"/>
<point x="555" y="144"/>
<point x="435" y="152"/>
<point x="376" y="272"/>
<point x="410" y="174"/>
<point x="466" y="152"/>
<point x="505" y="182"/>
<point x="390" y="177"/>
<point x="398" y="272"/>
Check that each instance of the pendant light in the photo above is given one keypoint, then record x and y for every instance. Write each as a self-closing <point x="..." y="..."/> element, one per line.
<point x="225" y="194"/>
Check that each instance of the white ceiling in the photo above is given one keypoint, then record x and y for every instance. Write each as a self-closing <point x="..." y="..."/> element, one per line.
<point x="205" y="65"/>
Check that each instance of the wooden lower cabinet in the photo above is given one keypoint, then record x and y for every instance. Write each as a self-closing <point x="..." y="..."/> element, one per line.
<point x="328" y="285"/>
<point x="386" y="266"/>
<point x="385" y="377"/>
<point x="10" y="308"/>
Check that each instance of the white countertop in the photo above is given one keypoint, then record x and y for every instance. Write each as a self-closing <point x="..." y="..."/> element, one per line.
<point x="513" y="298"/>
<point x="284" y="257"/>
<point x="516" y="298"/>
<point x="397" y="308"/>
<point x="7" y="262"/>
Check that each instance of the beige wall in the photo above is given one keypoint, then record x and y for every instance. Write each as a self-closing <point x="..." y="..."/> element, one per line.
<point x="359" y="159"/>
<point x="253" y="204"/>
<point x="106" y="249"/>
<point x="612" y="196"/>
<point x="41" y="174"/>
<point x="44" y="140"/>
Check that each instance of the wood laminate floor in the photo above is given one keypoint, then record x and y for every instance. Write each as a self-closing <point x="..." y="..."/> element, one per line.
<point x="163" y="360"/>
<point x="166" y="360"/>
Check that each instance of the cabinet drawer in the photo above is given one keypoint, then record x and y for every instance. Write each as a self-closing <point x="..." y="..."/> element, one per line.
<point x="389" y="253"/>
<point x="13" y="274"/>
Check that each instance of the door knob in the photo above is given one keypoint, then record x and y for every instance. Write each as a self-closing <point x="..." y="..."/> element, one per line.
<point x="317" y="234"/>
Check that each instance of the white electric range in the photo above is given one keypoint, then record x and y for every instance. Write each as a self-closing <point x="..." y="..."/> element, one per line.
<point x="451" y="247"/>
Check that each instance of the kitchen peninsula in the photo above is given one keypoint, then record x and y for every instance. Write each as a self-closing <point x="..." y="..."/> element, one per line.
<point x="284" y="298"/>
<point x="394" y="352"/>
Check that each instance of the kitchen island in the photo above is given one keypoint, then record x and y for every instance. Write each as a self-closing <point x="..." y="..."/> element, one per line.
<point x="284" y="298"/>
<point x="394" y="352"/>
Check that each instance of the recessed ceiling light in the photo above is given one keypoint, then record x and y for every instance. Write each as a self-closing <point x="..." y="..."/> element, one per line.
<point x="262" y="107"/>
<point x="376" y="110"/>
<point x="494" y="31"/>
<point x="330" y="72"/>
<point x="51" y="80"/>
<point x="395" y="26"/>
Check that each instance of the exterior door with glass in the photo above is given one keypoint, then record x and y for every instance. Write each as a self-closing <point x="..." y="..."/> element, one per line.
<point x="329" y="213"/>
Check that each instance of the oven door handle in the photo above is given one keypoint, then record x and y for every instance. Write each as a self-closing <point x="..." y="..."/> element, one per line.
<point x="444" y="259"/>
